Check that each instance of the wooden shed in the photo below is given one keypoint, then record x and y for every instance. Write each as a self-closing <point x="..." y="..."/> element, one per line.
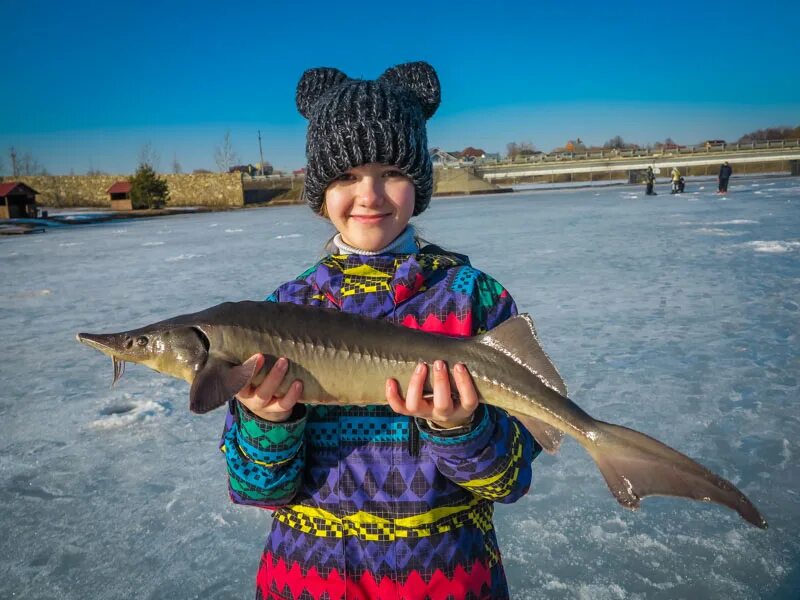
<point x="17" y="200"/>
<point x="120" y="194"/>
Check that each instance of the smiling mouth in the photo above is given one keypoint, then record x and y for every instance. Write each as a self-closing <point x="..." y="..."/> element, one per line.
<point x="369" y="217"/>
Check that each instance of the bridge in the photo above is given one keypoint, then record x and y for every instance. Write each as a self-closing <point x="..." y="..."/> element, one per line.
<point x="782" y="155"/>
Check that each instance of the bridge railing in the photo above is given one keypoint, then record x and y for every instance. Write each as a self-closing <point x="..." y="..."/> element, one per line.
<point x="641" y="152"/>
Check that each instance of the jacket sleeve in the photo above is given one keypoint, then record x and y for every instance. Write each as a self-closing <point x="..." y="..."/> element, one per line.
<point x="491" y="458"/>
<point x="492" y="455"/>
<point x="265" y="460"/>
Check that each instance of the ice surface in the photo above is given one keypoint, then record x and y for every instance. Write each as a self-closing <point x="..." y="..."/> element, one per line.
<point x="655" y="319"/>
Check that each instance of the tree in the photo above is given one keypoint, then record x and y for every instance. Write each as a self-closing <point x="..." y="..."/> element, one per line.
<point x="515" y="149"/>
<point x="225" y="156"/>
<point x="25" y="164"/>
<point x="148" y="190"/>
<point x="771" y="133"/>
<point x="616" y="143"/>
<point x="148" y="156"/>
<point x="575" y="145"/>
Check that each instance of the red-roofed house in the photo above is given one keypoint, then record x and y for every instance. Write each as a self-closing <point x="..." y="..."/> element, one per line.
<point x="17" y="200"/>
<point x="120" y="194"/>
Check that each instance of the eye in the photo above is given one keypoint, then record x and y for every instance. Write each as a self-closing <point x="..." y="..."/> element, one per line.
<point x="141" y="340"/>
<point x="345" y="177"/>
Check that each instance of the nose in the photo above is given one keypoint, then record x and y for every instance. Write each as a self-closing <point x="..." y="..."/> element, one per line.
<point x="370" y="191"/>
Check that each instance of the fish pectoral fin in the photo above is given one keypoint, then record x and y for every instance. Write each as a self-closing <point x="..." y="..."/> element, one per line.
<point x="217" y="382"/>
<point x="635" y="465"/>
<point x="516" y="338"/>
<point x="549" y="437"/>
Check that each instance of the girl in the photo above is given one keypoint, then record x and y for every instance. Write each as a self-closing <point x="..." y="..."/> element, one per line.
<point x="380" y="501"/>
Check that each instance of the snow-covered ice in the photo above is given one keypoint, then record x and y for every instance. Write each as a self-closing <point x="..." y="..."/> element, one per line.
<point x="675" y="315"/>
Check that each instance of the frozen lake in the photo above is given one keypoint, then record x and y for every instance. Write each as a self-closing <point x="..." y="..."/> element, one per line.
<point x="675" y="315"/>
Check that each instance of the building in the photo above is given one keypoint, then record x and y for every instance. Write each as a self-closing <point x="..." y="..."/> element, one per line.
<point x="440" y="158"/>
<point x="17" y="200"/>
<point x="120" y="194"/>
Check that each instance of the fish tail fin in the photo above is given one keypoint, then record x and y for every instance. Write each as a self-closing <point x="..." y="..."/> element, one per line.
<point x="635" y="465"/>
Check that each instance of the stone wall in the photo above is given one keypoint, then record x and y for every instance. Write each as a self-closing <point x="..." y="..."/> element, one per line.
<point x="202" y="189"/>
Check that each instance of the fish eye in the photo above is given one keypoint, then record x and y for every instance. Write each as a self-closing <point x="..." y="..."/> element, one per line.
<point x="141" y="340"/>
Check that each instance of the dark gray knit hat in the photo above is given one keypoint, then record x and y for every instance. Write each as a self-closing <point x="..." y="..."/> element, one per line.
<point x="353" y="122"/>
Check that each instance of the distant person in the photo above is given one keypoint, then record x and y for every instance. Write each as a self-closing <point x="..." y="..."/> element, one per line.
<point x="341" y="527"/>
<point x="676" y="180"/>
<point x="681" y="185"/>
<point x="650" y="181"/>
<point x="725" y="172"/>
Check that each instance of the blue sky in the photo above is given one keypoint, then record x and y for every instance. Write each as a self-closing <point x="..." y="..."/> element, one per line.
<point x="88" y="84"/>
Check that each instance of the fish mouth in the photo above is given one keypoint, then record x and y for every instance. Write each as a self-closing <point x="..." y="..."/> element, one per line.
<point x="103" y="342"/>
<point x="99" y="341"/>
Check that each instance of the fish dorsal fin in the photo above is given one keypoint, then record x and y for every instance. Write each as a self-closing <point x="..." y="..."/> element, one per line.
<point x="217" y="382"/>
<point x="516" y="338"/>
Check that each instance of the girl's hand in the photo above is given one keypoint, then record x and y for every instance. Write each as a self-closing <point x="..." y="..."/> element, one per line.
<point x="262" y="401"/>
<point x="442" y="408"/>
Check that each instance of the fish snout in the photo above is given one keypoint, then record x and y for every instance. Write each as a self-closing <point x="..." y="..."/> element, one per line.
<point x="109" y="343"/>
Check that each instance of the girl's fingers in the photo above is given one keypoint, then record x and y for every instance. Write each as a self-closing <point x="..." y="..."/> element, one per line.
<point x="255" y="363"/>
<point x="442" y="400"/>
<point x="393" y="397"/>
<point x="416" y="387"/>
<point x="467" y="394"/>
<point x="266" y="390"/>
<point x="292" y="397"/>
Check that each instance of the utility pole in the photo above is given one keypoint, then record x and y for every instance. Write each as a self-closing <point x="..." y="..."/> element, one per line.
<point x="260" y="153"/>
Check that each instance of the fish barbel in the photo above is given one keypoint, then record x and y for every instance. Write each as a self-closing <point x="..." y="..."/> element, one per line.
<point x="346" y="359"/>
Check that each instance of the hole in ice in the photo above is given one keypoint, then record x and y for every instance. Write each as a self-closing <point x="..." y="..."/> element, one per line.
<point x="119" y="408"/>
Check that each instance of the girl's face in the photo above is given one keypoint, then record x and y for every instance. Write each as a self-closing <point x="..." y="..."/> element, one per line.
<point x="370" y="205"/>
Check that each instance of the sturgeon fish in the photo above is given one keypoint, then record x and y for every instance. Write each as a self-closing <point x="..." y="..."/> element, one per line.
<point x="345" y="359"/>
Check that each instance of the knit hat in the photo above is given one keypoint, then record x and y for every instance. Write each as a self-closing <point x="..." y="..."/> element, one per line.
<point x="353" y="122"/>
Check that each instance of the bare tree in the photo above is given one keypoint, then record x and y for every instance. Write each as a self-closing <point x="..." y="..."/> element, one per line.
<point x="225" y="156"/>
<point x="176" y="166"/>
<point x="25" y="164"/>
<point x="149" y="156"/>
<point x="515" y="149"/>
<point x="616" y="143"/>
<point x="12" y="154"/>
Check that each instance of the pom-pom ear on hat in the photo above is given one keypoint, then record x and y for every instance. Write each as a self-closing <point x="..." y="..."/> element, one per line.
<point x="313" y="84"/>
<point x="421" y="79"/>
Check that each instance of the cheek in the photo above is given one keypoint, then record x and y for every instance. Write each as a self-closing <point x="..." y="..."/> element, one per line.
<point x="404" y="196"/>
<point x="410" y="201"/>
<point x="332" y="207"/>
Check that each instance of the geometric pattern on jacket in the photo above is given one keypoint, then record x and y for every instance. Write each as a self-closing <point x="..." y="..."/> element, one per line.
<point x="368" y="503"/>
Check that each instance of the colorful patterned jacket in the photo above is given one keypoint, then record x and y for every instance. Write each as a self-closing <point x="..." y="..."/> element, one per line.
<point x="368" y="503"/>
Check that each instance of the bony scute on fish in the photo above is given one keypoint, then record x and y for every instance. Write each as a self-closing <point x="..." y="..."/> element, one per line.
<point x="346" y="359"/>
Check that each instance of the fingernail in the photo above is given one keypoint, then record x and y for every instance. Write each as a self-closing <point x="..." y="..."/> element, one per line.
<point x="461" y="369"/>
<point x="439" y="365"/>
<point x="282" y="364"/>
<point x="420" y="368"/>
